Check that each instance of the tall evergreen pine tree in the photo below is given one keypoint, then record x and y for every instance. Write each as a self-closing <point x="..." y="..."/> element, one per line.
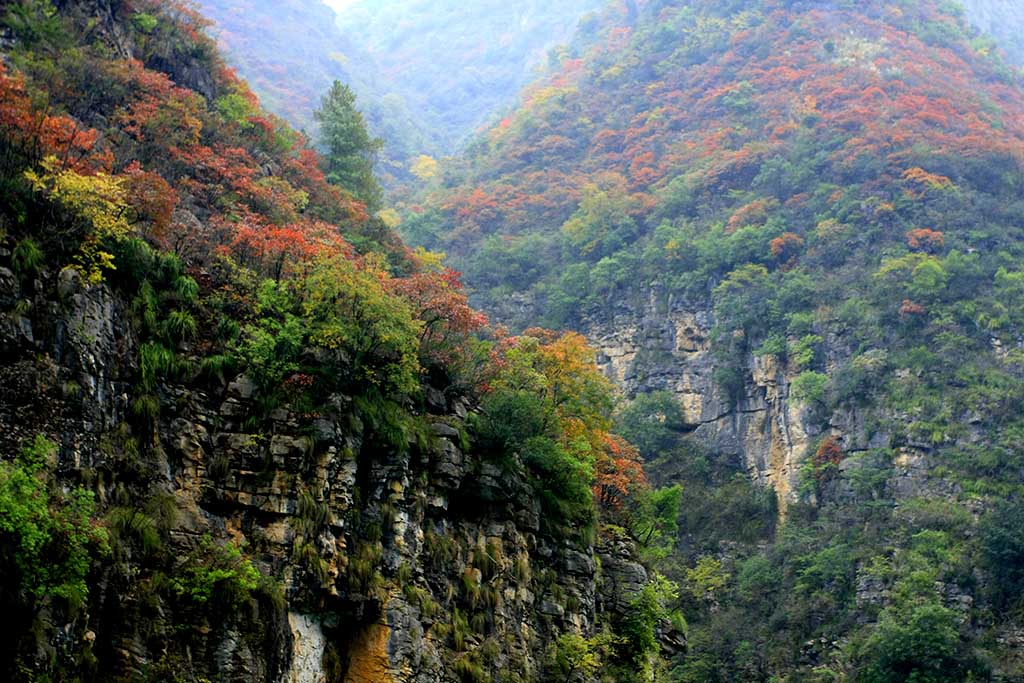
<point x="349" y="149"/>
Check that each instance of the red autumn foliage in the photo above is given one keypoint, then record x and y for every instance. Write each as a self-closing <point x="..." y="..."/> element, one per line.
<point x="828" y="456"/>
<point x="159" y="113"/>
<point x="278" y="249"/>
<point x="926" y="240"/>
<point x="153" y="199"/>
<point x="753" y="214"/>
<point x="619" y="473"/>
<point x="216" y="171"/>
<point x="254" y="192"/>
<point x="921" y="182"/>
<point x="298" y="382"/>
<point x="786" y="247"/>
<point x="441" y="302"/>
<point x="36" y="134"/>
<point x="909" y="309"/>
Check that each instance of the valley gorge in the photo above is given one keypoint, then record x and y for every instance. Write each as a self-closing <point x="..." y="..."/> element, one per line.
<point x="254" y="428"/>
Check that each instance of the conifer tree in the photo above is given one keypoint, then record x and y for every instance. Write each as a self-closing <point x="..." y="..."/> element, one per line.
<point x="349" y="149"/>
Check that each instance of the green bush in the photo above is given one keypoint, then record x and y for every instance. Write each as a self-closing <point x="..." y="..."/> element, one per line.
<point x="654" y="521"/>
<point x="652" y="422"/>
<point x="508" y="419"/>
<point x="186" y="288"/>
<point x="47" y="536"/>
<point x="561" y="481"/>
<point x="809" y="387"/>
<point x="653" y="605"/>
<point x="235" y="109"/>
<point x="215" y="573"/>
<point x="367" y="337"/>
<point x="131" y="529"/>
<point x="757" y="579"/>
<point x="573" y="657"/>
<point x="272" y="345"/>
<point x="180" y="326"/>
<point x="921" y="645"/>
<point x="155" y="362"/>
<point x="34" y="22"/>
<point x="1002" y="532"/>
<point x="803" y="352"/>
<point x="144" y="22"/>
<point x="27" y="258"/>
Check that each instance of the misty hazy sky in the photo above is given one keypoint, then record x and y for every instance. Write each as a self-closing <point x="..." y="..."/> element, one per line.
<point x="338" y="4"/>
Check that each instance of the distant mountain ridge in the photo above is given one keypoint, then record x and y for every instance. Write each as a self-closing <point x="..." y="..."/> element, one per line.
<point x="456" y="62"/>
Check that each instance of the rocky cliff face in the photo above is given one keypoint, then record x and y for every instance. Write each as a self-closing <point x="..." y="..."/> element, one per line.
<point x="417" y="563"/>
<point x="659" y="342"/>
<point x="664" y="344"/>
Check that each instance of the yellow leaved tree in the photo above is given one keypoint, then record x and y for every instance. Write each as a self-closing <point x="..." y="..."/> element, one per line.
<point x="424" y="167"/>
<point x="99" y="202"/>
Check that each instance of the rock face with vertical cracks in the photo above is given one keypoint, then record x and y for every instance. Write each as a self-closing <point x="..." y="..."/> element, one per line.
<point x="425" y="553"/>
<point x="663" y="344"/>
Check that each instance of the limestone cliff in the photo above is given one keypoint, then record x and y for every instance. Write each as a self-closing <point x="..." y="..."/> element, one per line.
<point x="664" y="344"/>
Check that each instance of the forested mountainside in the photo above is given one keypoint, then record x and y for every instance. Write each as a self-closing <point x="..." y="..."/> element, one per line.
<point x="1003" y="20"/>
<point x="793" y="229"/>
<point x="427" y="74"/>
<point x="247" y="435"/>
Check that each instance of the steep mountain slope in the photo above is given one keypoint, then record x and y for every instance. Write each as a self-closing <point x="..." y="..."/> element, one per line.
<point x="794" y="230"/>
<point x="247" y="435"/>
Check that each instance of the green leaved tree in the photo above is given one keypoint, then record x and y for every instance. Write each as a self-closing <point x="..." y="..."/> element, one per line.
<point x="349" y="150"/>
